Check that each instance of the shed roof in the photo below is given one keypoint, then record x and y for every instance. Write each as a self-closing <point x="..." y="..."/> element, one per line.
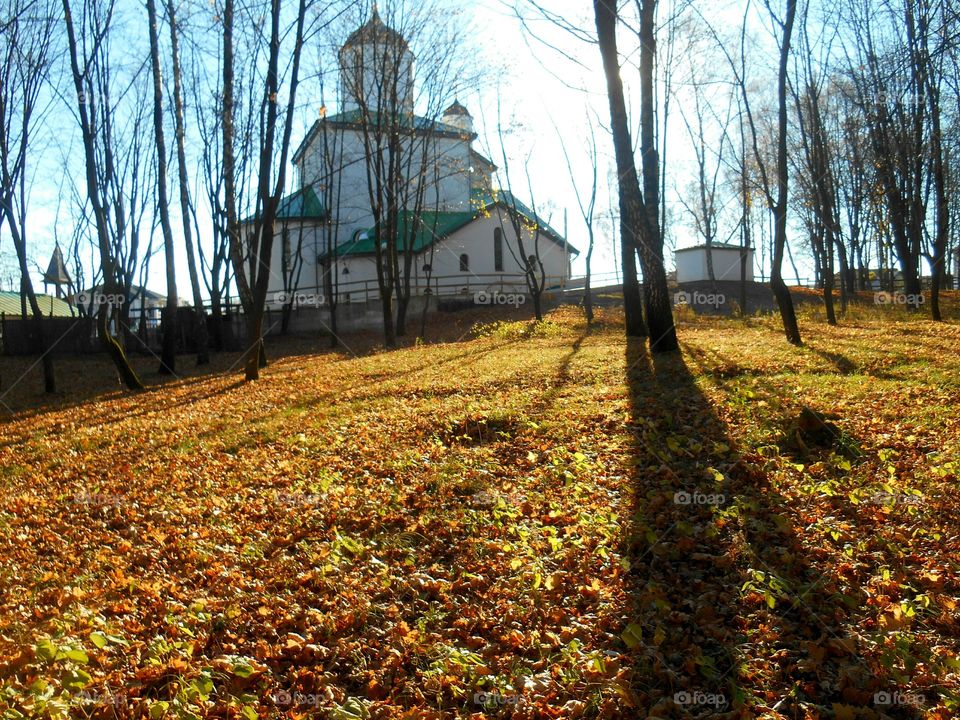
<point x="713" y="246"/>
<point x="433" y="226"/>
<point x="10" y="305"/>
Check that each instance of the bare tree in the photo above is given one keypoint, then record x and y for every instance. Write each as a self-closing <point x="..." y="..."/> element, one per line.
<point x="274" y="145"/>
<point x="208" y="99"/>
<point x="639" y="209"/>
<point x="186" y="207"/>
<point x="291" y="266"/>
<point x="26" y="43"/>
<point x="587" y="205"/>
<point x="168" y="357"/>
<point x="704" y="208"/>
<point x="816" y="174"/>
<point x="91" y="99"/>
<point x="330" y="193"/>
<point x="628" y="184"/>
<point x="888" y="88"/>
<point x="519" y="227"/>
<point x="778" y="202"/>
<point x="932" y="22"/>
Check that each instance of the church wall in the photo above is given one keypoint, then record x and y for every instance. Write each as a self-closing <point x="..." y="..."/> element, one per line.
<point x="476" y="241"/>
<point x="451" y="156"/>
<point x="453" y="160"/>
<point x="310" y="273"/>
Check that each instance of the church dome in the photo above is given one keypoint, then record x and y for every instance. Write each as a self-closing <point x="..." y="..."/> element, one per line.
<point x="456" y="110"/>
<point x="375" y="31"/>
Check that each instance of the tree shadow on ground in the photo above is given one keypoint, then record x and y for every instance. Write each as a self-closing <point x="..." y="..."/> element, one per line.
<point x="91" y="379"/>
<point x="733" y="615"/>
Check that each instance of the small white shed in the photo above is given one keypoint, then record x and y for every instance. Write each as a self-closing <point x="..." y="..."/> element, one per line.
<point x="691" y="263"/>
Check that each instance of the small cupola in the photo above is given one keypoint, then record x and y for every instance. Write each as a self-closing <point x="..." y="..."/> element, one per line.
<point x="375" y="32"/>
<point x="459" y="117"/>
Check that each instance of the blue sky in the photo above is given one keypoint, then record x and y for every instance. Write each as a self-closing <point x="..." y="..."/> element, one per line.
<point x="545" y="99"/>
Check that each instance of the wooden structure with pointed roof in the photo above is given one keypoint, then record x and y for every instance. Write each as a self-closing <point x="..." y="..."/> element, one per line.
<point x="56" y="273"/>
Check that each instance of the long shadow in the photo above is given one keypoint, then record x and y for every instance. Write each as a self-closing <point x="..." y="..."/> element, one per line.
<point x="104" y="372"/>
<point x="198" y="376"/>
<point x="107" y="417"/>
<point x="844" y="365"/>
<point x="731" y="613"/>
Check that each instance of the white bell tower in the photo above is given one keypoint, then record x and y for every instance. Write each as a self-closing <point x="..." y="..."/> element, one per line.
<point x="376" y="69"/>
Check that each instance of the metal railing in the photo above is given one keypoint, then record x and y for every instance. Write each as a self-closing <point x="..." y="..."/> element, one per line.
<point x="465" y="285"/>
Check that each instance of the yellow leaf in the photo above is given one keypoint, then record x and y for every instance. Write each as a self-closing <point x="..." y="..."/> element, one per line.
<point x="844" y="712"/>
<point x="632" y="636"/>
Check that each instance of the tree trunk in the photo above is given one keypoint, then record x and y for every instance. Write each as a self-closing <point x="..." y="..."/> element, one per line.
<point x="638" y="209"/>
<point x="537" y="305"/>
<point x="113" y="348"/>
<point x="828" y="281"/>
<point x="168" y="323"/>
<point x="116" y="353"/>
<point x="402" y="303"/>
<point x="632" y="297"/>
<point x="216" y="319"/>
<point x="202" y="339"/>
<point x="39" y="339"/>
<point x="781" y="292"/>
<point x="389" y="335"/>
<point x="587" y="294"/>
<point x="943" y="208"/>
<point x="251" y="362"/>
<point x="846" y="276"/>
<point x="663" y="333"/>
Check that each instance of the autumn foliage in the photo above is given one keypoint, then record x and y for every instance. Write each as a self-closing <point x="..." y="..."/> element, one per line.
<point x="536" y="521"/>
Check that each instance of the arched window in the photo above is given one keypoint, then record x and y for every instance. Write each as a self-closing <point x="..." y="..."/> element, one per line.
<point x="464" y="263"/>
<point x="498" y="249"/>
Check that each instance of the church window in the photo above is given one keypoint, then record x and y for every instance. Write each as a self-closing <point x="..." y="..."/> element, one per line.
<point x="498" y="249"/>
<point x="464" y="263"/>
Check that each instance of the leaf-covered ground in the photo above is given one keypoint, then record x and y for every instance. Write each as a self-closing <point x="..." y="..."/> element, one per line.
<point x="535" y="522"/>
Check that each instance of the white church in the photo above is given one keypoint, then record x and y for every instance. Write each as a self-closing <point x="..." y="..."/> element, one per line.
<point x="465" y="242"/>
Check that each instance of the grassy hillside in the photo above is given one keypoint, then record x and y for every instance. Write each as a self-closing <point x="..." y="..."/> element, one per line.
<point x="534" y="521"/>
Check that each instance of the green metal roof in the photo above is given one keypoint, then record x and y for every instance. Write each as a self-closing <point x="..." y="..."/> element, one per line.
<point x="301" y="205"/>
<point x="433" y="226"/>
<point x="10" y="305"/>
<point x="408" y="120"/>
<point x="438" y="225"/>
<point x="485" y="199"/>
